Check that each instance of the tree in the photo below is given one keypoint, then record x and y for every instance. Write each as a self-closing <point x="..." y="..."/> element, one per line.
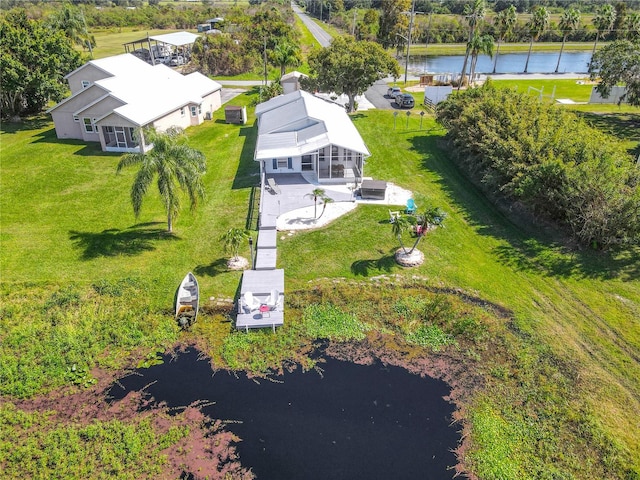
<point x="479" y="44"/>
<point x="431" y="218"/>
<point x="325" y="201"/>
<point x="537" y="25"/>
<point x="398" y="227"/>
<point x="569" y="22"/>
<point x="616" y="63"/>
<point x="221" y="55"/>
<point x="632" y="26"/>
<point x="504" y="22"/>
<point x="176" y="166"/>
<point x="473" y="15"/>
<point x="316" y="194"/>
<point x="233" y="239"/>
<point x="620" y="21"/>
<point x="286" y="53"/>
<point x="350" y="67"/>
<point x="71" y="20"/>
<point x="603" y="20"/>
<point x="392" y="21"/>
<point x="33" y="61"/>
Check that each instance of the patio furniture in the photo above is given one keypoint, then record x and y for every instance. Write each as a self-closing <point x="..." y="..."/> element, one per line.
<point x="273" y="185"/>
<point x="251" y="302"/>
<point x="411" y="206"/>
<point x="264" y="311"/>
<point x="274" y="299"/>
<point x="393" y="216"/>
<point x="373" y="189"/>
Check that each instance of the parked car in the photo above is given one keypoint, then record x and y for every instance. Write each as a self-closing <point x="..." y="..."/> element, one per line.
<point x="393" y="91"/>
<point x="405" y="100"/>
<point x="176" y="60"/>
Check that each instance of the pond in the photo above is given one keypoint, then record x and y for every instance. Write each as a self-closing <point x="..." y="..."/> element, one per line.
<point x="540" y="62"/>
<point x="347" y="421"/>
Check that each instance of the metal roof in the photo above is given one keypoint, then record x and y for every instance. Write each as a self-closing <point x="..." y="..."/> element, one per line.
<point x="299" y="123"/>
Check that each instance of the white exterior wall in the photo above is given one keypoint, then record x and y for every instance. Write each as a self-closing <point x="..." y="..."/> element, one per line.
<point x="174" y="119"/>
<point x="211" y="102"/>
<point x="296" y="163"/>
<point x="89" y="73"/>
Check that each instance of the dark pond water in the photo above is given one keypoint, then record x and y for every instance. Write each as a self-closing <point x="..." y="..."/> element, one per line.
<point x="540" y="62"/>
<point x="353" y="422"/>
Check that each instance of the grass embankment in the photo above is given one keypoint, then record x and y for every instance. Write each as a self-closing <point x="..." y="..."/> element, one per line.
<point x="560" y="371"/>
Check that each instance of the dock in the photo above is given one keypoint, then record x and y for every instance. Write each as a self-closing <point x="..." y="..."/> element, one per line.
<point x="260" y="283"/>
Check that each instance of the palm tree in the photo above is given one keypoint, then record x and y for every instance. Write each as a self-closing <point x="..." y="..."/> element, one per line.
<point x="479" y="44"/>
<point x="569" y="22"/>
<point x="430" y="218"/>
<point x="473" y="16"/>
<point x="603" y="20"/>
<point x="632" y="26"/>
<point x="399" y="226"/>
<point x="537" y="25"/>
<point x="232" y="239"/>
<point x="71" y="20"/>
<point x="504" y="22"/>
<point x="285" y="54"/>
<point x="176" y="166"/>
<point x="316" y="194"/>
<point x="325" y="200"/>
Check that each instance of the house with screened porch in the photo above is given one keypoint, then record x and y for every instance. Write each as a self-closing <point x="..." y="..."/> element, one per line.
<point x="299" y="133"/>
<point x="112" y="99"/>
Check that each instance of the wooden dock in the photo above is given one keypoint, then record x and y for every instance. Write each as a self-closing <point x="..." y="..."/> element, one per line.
<point x="260" y="283"/>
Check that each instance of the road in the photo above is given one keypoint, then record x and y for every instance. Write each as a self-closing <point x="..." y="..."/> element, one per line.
<point x="323" y="38"/>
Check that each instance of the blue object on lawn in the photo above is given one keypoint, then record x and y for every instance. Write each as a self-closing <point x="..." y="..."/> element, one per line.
<point x="411" y="206"/>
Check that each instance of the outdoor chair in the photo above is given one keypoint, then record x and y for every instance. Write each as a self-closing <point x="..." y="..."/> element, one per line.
<point x="393" y="216"/>
<point x="251" y="302"/>
<point x="274" y="299"/>
<point x="411" y="206"/>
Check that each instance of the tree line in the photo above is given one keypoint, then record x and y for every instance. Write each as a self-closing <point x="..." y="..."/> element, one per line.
<point x="548" y="160"/>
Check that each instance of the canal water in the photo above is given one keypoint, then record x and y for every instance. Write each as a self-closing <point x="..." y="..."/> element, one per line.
<point x="540" y="62"/>
<point x="350" y="422"/>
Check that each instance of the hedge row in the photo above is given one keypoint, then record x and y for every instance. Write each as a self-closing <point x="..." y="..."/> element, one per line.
<point x="549" y="160"/>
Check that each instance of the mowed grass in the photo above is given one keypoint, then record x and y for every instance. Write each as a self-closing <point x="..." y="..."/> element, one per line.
<point x="67" y="221"/>
<point x="67" y="216"/>
<point x="111" y="41"/>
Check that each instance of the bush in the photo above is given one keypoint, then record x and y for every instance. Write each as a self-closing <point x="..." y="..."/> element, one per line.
<point x="551" y="161"/>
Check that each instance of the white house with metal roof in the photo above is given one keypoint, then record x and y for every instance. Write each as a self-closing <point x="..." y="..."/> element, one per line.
<point x="301" y="133"/>
<point x="114" y="98"/>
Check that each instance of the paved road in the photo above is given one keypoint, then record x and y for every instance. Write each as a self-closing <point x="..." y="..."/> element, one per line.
<point x="323" y="38"/>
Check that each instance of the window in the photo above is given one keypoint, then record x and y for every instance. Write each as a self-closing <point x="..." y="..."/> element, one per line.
<point x="89" y="126"/>
<point x="283" y="163"/>
<point x="85" y="83"/>
<point x="182" y="112"/>
<point x="193" y="111"/>
<point x="76" y="118"/>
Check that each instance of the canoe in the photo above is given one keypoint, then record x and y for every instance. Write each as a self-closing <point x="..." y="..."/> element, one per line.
<point x="187" y="300"/>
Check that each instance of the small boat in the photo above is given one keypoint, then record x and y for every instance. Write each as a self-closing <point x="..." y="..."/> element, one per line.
<point x="187" y="300"/>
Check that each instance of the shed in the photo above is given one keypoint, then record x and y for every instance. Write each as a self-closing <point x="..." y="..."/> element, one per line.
<point x="235" y="114"/>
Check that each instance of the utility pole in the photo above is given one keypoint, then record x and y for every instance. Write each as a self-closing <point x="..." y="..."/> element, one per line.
<point x="353" y="30"/>
<point x="265" y="61"/>
<point x="406" y="60"/>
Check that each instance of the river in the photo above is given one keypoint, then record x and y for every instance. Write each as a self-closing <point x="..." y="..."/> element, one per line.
<point x="540" y="62"/>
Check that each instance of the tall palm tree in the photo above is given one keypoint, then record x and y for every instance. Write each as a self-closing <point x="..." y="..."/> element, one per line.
<point x="316" y="194"/>
<point x="473" y="15"/>
<point x="603" y="20"/>
<point x="632" y="26"/>
<point x="504" y="22"/>
<point x="479" y="44"/>
<point x="70" y="19"/>
<point x="286" y="54"/>
<point x="569" y="22"/>
<point x="176" y="166"/>
<point x="537" y="26"/>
